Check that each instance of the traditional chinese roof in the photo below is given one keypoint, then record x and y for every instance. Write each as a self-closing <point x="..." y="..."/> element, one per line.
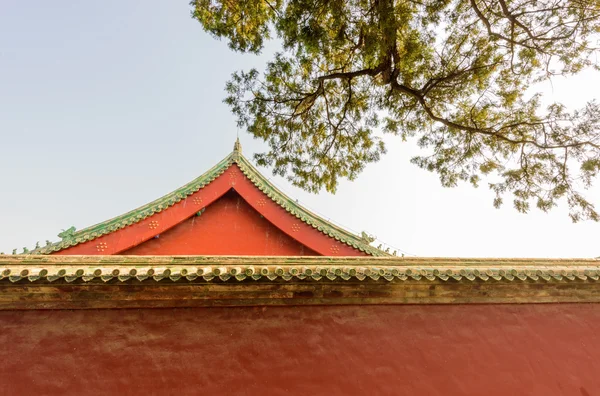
<point x="188" y="192"/>
<point x="30" y="281"/>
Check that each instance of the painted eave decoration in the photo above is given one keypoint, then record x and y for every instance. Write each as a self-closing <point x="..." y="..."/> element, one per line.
<point x="72" y="238"/>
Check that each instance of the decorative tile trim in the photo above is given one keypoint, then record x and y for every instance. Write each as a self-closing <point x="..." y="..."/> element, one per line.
<point x="304" y="214"/>
<point x="74" y="238"/>
<point x="208" y="268"/>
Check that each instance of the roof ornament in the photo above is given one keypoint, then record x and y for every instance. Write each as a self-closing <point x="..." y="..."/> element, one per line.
<point x="67" y="234"/>
<point x="237" y="150"/>
<point x="237" y="146"/>
<point x="367" y="237"/>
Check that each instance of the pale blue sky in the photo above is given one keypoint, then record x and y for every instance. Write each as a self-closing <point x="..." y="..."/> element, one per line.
<point x="105" y="106"/>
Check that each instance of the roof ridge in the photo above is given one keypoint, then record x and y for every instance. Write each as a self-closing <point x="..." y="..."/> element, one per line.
<point x="326" y="227"/>
<point x="136" y="215"/>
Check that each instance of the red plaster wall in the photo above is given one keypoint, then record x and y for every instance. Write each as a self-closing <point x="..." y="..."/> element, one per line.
<point x="229" y="226"/>
<point x="545" y="349"/>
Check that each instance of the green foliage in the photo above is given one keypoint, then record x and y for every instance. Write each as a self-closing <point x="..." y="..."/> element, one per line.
<point x="451" y="73"/>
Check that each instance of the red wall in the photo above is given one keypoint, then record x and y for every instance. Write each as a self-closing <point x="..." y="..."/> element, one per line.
<point x="229" y="226"/>
<point x="545" y="349"/>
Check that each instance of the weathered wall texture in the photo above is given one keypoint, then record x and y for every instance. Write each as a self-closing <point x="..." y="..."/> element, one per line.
<point x="545" y="349"/>
<point x="229" y="226"/>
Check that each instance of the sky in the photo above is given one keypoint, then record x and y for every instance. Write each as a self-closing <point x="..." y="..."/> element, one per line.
<point x="105" y="106"/>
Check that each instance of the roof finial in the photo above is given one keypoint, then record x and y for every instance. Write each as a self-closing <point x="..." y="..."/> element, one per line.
<point x="237" y="147"/>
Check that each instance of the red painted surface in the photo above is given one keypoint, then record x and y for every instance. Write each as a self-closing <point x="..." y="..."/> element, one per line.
<point x="545" y="349"/>
<point x="227" y="226"/>
<point x="233" y="178"/>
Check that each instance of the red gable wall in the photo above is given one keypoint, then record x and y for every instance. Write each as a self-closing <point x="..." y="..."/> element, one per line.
<point x="242" y="230"/>
<point x="229" y="226"/>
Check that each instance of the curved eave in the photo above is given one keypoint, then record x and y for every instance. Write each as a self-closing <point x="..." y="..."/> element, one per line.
<point x="304" y="214"/>
<point x="139" y="214"/>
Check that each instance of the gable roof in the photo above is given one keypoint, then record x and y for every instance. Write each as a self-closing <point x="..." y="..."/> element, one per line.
<point x="71" y="238"/>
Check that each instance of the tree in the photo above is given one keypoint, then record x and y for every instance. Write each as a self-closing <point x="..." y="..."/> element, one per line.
<point x="453" y="74"/>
